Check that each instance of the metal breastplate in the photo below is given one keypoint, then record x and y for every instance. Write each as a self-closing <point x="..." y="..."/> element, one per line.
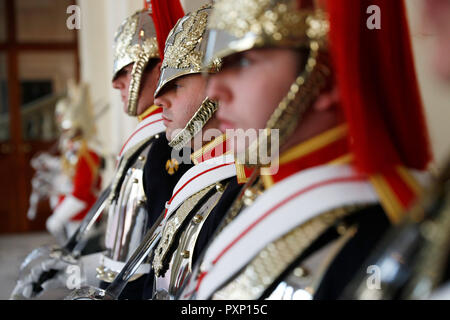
<point x="265" y="270"/>
<point x="127" y="221"/>
<point x="303" y="281"/>
<point x="168" y="283"/>
<point x="413" y="257"/>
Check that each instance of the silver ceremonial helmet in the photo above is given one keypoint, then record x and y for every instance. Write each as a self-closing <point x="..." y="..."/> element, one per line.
<point x="74" y="115"/>
<point x="240" y="25"/>
<point x="183" y="55"/>
<point x="135" y="43"/>
<point x="74" y="112"/>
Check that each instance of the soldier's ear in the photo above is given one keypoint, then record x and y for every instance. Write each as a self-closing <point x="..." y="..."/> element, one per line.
<point x="327" y="99"/>
<point x="158" y="68"/>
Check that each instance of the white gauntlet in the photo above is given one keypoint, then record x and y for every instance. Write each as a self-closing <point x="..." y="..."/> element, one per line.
<point x="70" y="207"/>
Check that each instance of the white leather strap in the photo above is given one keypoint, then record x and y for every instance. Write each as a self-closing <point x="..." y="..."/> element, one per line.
<point x="199" y="177"/>
<point x="148" y="127"/>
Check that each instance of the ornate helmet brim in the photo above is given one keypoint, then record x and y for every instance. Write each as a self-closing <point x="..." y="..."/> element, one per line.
<point x="185" y="47"/>
<point x="136" y="34"/>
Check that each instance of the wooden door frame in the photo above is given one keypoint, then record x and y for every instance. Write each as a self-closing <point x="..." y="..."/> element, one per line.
<point x="12" y="48"/>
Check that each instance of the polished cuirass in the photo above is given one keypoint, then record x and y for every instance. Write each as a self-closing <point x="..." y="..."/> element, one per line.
<point x="179" y="240"/>
<point x="127" y="217"/>
<point x="413" y="258"/>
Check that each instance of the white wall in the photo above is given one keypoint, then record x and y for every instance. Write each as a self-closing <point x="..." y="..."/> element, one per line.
<point x="99" y="22"/>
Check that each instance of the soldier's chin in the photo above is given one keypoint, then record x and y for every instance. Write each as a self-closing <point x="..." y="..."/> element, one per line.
<point x="169" y="134"/>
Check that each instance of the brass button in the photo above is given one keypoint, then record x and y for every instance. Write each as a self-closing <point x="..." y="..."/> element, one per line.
<point x="341" y="228"/>
<point x="248" y="201"/>
<point x="249" y="197"/>
<point x="111" y="275"/>
<point x="197" y="219"/>
<point x="100" y="270"/>
<point x="300" y="272"/>
<point x="220" y="188"/>
<point x="248" y="193"/>
<point x="141" y="158"/>
<point x="185" y="254"/>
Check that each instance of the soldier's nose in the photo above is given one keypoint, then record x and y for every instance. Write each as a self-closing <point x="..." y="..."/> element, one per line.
<point x="162" y="102"/>
<point x="217" y="90"/>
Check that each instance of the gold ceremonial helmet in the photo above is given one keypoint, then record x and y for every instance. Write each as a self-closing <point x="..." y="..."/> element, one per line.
<point x="240" y="25"/>
<point x="74" y="112"/>
<point x="135" y="42"/>
<point x="183" y="55"/>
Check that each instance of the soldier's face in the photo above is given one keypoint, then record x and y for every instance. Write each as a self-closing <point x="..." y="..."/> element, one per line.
<point x="437" y="21"/>
<point x="251" y="85"/>
<point x="180" y="100"/>
<point x="148" y="85"/>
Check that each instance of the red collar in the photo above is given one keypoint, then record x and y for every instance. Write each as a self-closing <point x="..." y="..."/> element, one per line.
<point x="328" y="147"/>
<point x="149" y="112"/>
<point x="396" y="187"/>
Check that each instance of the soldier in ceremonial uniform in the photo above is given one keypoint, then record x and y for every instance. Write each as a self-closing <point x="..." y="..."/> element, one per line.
<point x="203" y="194"/>
<point x="412" y="261"/>
<point x="353" y="142"/>
<point x="141" y="184"/>
<point x="79" y="162"/>
<point x="71" y="180"/>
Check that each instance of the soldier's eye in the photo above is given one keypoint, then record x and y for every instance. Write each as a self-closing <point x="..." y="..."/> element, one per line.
<point x="244" y="62"/>
<point x="236" y="61"/>
<point x="176" y="85"/>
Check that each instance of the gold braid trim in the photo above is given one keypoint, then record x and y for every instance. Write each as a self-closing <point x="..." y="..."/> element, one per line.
<point x="147" y="112"/>
<point x="135" y="83"/>
<point x="84" y="152"/>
